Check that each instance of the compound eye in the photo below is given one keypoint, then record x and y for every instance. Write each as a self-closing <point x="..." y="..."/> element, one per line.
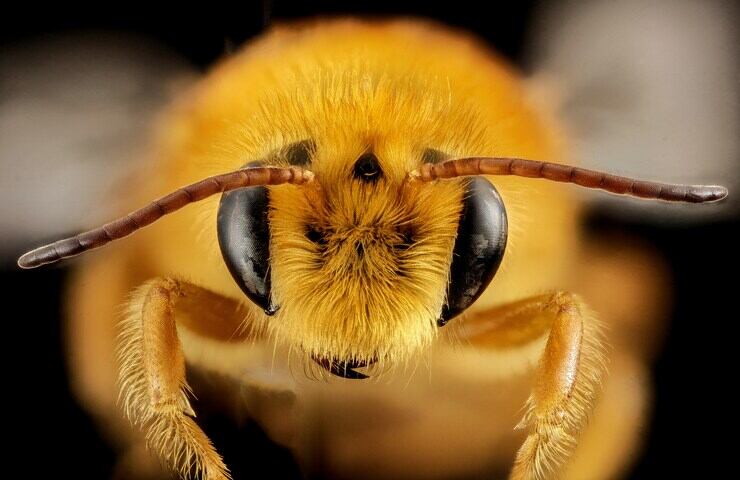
<point x="244" y="237"/>
<point x="479" y="247"/>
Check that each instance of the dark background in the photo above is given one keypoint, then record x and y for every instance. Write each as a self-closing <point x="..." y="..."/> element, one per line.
<point x="51" y="436"/>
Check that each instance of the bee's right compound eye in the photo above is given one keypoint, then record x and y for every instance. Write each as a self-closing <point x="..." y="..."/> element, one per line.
<point x="244" y="237"/>
<point x="479" y="247"/>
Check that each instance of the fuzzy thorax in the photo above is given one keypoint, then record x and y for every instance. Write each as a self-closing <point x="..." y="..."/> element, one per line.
<point x="360" y="270"/>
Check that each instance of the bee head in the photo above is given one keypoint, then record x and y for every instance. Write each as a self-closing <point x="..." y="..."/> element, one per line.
<point x="364" y="265"/>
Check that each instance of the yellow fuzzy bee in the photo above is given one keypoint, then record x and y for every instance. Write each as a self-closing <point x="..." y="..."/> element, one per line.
<point x="362" y="202"/>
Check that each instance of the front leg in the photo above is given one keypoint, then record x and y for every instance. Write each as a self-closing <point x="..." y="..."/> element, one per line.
<point x="568" y="375"/>
<point x="153" y="389"/>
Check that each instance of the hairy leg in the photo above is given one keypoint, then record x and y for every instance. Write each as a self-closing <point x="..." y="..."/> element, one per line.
<point x="567" y="379"/>
<point x="154" y="391"/>
<point x="615" y="432"/>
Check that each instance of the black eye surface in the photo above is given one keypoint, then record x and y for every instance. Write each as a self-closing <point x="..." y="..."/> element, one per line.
<point x="479" y="247"/>
<point x="244" y="238"/>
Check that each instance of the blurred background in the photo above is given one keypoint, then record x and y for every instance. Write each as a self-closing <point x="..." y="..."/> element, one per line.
<point x="648" y="89"/>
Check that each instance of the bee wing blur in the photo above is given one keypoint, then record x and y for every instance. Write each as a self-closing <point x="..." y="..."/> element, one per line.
<point x="647" y="89"/>
<point x="75" y="113"/>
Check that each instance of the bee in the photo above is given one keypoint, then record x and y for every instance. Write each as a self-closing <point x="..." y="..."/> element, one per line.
<point x="360" y="186"/>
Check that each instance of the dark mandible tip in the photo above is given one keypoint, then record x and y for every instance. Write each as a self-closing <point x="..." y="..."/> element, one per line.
<point x="341" y="369"/>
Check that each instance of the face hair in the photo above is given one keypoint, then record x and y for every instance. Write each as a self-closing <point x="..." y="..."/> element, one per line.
<point x="254" y="176"/>
<point x="124" y="226"/>
<point x="568" y="174"/>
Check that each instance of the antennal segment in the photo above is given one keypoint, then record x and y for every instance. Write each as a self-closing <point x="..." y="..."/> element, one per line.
<point x="124" y="226"/>
<point x="669" y="192"/>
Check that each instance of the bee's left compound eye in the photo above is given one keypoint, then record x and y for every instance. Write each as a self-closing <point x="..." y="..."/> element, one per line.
<point x="479" y="247"/>
<point x="244" y="237"/>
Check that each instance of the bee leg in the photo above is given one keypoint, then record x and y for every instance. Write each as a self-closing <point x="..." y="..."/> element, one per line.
<point x="154" y="391"/>
<point x="567" y="379"/>
<point x="609" y="443"/>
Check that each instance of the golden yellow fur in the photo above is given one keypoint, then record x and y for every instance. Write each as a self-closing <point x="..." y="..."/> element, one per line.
<point x="396" y="88"/>
<point x="555" y="428"/>
<point x="334" y="296"/>
<point x="164" y="415"/>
